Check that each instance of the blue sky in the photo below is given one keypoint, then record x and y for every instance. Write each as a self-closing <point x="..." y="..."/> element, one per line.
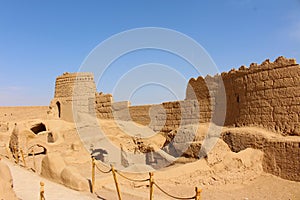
<point x="40" y="40"/>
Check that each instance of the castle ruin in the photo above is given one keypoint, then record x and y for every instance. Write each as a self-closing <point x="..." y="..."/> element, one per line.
<point x="265" y="95"/>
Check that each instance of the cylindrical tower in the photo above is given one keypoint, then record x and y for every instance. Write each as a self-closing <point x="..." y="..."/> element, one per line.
<point x="73" y="94"/>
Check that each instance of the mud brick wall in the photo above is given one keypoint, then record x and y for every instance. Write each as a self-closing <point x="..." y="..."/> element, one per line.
<point x="103" y="106"/>
<point x="281" y="156"/>
<point x="106" y="108"/>
<point x="73" y="94"/>
<point x="140" y="114"/>
<point x="82" y="82"/>
<point x="266" y="95"/>
<point x="168" y="116"/>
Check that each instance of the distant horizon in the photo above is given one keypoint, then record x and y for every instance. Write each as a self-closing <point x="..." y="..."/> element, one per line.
<point x="42" y="40"/>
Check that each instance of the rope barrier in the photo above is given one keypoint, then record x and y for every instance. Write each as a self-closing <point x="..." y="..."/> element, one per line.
<point x="16" y="153"/>
<point x="42" y="191"/>
<point x="116" y="182"/>
<point x="130" y="179"/>
<point x="198" y="193"/>
<point x="174" y="197"/>
<point x="105" y="172"/>
<point x="93" y="174"/>
<point x="33" y="159"/>
<point x="152" y="183"/>
<point x="23" y="158"/>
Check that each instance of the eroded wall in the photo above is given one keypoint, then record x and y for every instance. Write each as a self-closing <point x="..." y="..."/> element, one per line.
<point x="83" y="83"/>
<point x="281" y="154"/>
<point x="103" y="106"/>
<point x="168" y="116"/>
<point x="266" y="95"/>
<point x="73" y="94"/>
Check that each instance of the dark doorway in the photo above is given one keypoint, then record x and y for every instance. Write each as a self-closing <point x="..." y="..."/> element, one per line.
<point x="58" y="108"/>
<point x="50" y="137"/>
<point x="39" y="127"/>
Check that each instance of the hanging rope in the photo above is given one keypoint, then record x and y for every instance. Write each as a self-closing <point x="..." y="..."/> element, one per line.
<point x="174" y="197"/>
<point x="197" y="196"/>
<point x="105" y="172"/>
<point x="130" y="179"/>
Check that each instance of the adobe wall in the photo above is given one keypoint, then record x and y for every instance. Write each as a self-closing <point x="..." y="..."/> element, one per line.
<point x="140" y="114"/>
<point x="103" y="106"/>
<point x="73" y="94"/>
<point x="266" y="95"/>
<point x="83" y="83"/>
<point x="281" y="154"/>
<point x="262" y="95"/>
<point x="168" y="116"/>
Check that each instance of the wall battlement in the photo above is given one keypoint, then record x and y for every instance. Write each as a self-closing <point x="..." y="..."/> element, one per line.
<point x="265" y="95"/>
<point x="65" y="84"/>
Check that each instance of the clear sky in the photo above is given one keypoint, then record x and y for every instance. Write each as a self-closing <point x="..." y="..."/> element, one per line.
<point x="40" y="40"/>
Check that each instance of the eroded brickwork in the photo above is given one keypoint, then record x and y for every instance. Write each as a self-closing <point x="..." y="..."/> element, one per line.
<point x="281" y="154"/>
<point x="103" y="106"/>
<point x="73" y="94"/>
<point x="83" y="83"/>
<point x="168" y="116"/>
<point x="266" y="95"/>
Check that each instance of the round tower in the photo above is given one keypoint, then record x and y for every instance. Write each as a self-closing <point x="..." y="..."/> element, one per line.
<point x="73" y="93"/>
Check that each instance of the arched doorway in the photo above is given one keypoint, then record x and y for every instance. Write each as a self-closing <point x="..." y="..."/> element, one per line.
<point x="58" y="109"/>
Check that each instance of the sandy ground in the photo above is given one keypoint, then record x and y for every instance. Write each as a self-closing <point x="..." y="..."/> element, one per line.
<point x="27" y="186"/>
<point x="229" y="179"/>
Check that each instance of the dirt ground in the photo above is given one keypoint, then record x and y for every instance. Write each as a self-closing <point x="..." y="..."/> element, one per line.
<point x="223" y="175"/>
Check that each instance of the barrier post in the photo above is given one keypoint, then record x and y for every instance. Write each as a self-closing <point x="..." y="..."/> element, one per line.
<point x="16" y="153"/>
<point x="33" y="158"/>
<point x="151" y="182"/>
<point x="198" y="193"/>
<point x="93" y="174"/>
<point x="116" y="181"/>
<point x="42" y="191"/>
<point x="23" y="159"/>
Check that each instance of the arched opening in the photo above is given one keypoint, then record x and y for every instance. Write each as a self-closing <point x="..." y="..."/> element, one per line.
<point x="37" y="149"/>
<point x="58" y="108"/>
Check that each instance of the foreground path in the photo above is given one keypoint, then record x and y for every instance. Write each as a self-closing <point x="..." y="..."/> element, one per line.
<point x="27" y="186"/>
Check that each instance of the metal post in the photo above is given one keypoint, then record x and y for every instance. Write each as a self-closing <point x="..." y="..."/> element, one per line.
<point x="42" y="191"/>
<point x="93" y="174"/>
<point x="198" y="193"/>
<point x="116" y="182"/>
<point x="151" y="182"/>
<point x="23" y="159"/>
